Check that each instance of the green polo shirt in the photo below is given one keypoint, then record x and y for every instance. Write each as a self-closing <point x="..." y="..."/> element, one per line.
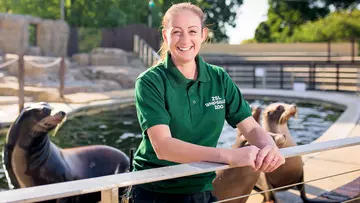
<point x="195" y="111"/>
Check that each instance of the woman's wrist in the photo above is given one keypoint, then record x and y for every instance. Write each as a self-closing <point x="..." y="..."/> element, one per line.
<point x="224" y="155"/>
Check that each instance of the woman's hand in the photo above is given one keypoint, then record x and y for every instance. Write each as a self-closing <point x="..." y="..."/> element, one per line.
<point x="268" y="159"/>
<point x="244" y="156"/>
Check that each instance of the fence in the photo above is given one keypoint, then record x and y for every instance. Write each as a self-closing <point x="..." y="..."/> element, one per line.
<point x="108" y="185"/>
<point x="21" y="74"/>
<point x="144" y="51"/>
<point x="123" y="37"/>
<point x="319" y="74"/>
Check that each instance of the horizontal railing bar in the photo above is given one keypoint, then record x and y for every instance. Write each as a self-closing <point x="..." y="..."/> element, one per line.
<point x="71" y="188"/>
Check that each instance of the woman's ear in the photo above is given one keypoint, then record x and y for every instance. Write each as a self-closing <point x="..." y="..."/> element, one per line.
<point x="204" y="34"/>
<point x="163" y="32"/>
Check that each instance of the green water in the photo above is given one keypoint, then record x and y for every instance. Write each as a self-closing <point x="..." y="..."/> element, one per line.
<point x="118" y="127"/>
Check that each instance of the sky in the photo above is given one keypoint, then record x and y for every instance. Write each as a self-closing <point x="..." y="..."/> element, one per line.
<point x="250" y="14"/>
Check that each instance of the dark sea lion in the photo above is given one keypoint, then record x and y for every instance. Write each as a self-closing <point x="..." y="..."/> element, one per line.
<point x="275" y="119"/>
<point x="31" y="159"/>
<point x="235" y="182"/>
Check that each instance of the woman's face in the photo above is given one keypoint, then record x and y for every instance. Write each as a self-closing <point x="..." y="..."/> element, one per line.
<point x="184" y="36"/>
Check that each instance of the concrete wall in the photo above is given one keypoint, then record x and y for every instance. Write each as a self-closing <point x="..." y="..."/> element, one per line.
<point x="13" y="35"/>
<point x="52" y="35"/>
<point x="292" y="49"/>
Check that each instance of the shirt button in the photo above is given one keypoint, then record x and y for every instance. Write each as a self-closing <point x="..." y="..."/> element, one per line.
<point x="194" y="102"/>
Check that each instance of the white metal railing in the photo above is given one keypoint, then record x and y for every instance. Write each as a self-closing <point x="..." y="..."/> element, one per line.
<point x="145" y="52"/>
<point x="108" y="185"/>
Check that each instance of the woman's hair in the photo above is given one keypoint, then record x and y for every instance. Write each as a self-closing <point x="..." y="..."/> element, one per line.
<point x="175" y="8"/>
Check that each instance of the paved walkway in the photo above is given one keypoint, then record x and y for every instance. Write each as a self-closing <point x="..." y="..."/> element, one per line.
<point x="316" y="165"/>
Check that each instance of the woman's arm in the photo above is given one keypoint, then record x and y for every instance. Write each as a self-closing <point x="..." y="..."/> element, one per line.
<point x="269" y="158"/>
<point x="254" y="133"/>
<point x="175" y="150"/>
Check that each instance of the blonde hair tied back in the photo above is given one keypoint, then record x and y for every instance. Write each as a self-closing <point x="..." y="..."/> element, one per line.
<point x="175" y="8"/>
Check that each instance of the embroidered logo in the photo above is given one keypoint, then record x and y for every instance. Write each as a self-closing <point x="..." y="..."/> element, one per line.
<point x="217" y="102"/>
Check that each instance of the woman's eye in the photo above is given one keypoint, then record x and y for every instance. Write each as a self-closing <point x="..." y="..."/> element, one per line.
<point x="192" y="31"/>
<point x="176" y="32"/>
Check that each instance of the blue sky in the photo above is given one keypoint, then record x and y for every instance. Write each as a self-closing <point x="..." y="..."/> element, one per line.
<point x="249" y="15"/>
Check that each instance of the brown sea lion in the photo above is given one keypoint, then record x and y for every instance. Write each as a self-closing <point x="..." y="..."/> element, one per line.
<point x="275" y="119"/>
<point x="31" y="159"/>
<point x="235" y="182"/>
<point x="241" y="141"/>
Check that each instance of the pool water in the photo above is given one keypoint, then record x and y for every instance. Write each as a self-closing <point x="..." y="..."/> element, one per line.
<point x="118" y="127"/>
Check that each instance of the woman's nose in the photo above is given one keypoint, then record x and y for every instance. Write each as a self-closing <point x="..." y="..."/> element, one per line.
<point x="184" y="36"/>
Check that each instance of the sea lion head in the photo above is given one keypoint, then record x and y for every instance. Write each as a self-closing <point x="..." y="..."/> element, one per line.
<point x="43" y="118"/>
<point x="280" y="112"/>
<point x="279" y="139"/>
<point x="35" y="120"/>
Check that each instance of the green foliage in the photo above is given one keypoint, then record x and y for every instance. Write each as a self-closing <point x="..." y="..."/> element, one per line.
<point x="292" y="21"/>
<point x="338" y="26"/>
<point x="342" y="4"/>
<point x="248" y="41"/>
<point x="32" y="35"/>
<point x="285" y="16"/>
<point x="82" y="13"/>
<point x="42" y="8"/>
<point x="115" y="13"/>
<point x="89" y="38"/>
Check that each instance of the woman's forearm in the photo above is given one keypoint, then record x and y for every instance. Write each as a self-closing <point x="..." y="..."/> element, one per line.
<point x="175" y="150"/>
<point x="259" y="137"/>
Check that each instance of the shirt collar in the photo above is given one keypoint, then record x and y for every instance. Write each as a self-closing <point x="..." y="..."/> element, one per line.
<point x="177" y="78"/>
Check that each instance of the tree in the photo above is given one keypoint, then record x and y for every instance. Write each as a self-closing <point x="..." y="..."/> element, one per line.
<point x="115" y="13"/>
<point x="342" y="4"/>
<point x="285" y="16"/>
<point x="338" y="26"/>
<point x="83" y="13"/>
<point x="263" y="33"/>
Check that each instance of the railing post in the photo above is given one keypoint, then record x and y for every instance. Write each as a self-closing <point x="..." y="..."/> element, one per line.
<point x="110" y="196"/>
<point x="135" y="45"/>
<point x="141" y="50"/>
<point x="145" y="54"/>
<point x="149" y="56"/>
<point x="329" y="50"/>
<point x="337" y="77"/>
<point x="21" y="78"/>
<point x="312" y="76"/>
<point x="282" y="76"/>
<point x="62" y="77"/>
<point x="254" y="76"/>
<point x="353" y="50"/>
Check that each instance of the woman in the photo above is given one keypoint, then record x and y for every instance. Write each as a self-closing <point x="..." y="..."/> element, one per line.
<point x="182" y="103"/>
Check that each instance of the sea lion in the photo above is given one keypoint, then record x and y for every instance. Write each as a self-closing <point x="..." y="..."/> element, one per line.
<point x="241" y="141"/>
<point x="275" y="119"/>
<point x="238" y="181"/>
<point x="31" y="159"/>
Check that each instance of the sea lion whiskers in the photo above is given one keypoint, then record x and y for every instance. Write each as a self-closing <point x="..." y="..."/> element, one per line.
<point x="45" y="124"/>
<point x="39" y="127"/>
